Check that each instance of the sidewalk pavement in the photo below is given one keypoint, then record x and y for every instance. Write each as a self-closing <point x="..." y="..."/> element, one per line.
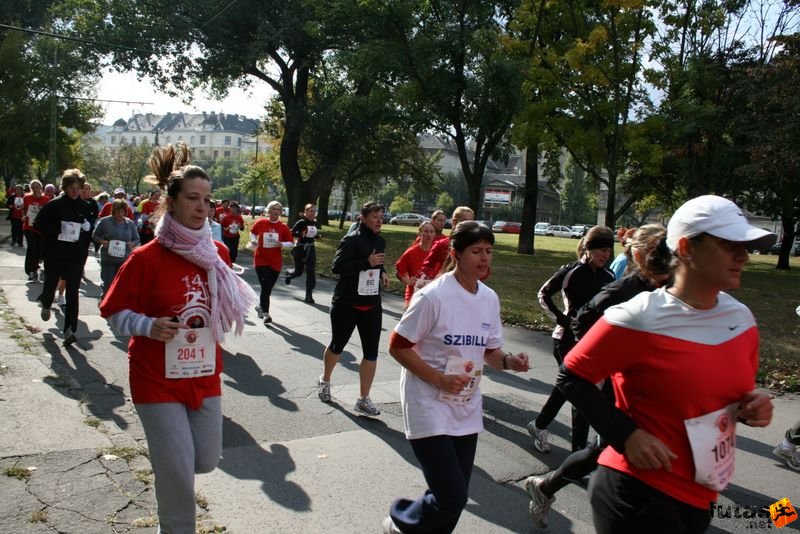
<point x="64" y="466"/>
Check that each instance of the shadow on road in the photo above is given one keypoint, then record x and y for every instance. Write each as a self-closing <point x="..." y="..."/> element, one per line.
<point x="252" y="462"/>
<point x="99" y="396"/>
<point x="308" y="346"/>
<point x="248" y="378"/>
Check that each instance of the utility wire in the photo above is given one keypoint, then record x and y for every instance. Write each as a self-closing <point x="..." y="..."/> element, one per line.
<point x="220" y="12"/>
<point x="76" y="39"/>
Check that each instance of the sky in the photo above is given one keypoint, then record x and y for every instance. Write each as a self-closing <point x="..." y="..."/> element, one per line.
<point x="125" y="86"/>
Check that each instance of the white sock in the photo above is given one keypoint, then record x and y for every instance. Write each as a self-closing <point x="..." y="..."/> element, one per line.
<point x="787" y="445"/>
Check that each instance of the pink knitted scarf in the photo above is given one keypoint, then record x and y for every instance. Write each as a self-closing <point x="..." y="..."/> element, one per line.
<point x="231" y="297"/>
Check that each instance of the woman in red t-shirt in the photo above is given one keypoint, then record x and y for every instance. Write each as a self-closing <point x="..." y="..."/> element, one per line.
<point x="232" y="223"/>
<point x="15" y="202"/>
<point x="31" y="205"/>
<point x="409" y="265"/>
<point x="267" y="238"/>
<point x="176" y="297"/>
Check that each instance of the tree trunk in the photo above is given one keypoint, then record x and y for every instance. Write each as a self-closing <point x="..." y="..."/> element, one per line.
<point x="529" y="205"/>
<point x="347" y="200"/>
<point x="787" y="222"/>
<point x="324" y="204"/>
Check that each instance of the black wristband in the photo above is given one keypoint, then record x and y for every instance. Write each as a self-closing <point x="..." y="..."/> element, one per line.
<point x="505" y="360"/>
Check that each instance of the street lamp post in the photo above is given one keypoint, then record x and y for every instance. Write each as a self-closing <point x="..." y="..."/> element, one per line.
<point x="255" y="160"/>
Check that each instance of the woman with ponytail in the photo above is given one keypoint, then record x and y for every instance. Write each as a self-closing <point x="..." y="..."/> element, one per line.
<point x="177" y="297"/>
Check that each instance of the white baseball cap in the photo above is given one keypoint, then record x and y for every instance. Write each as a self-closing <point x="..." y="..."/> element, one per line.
<point x="119" y="191"/>
<point x="710" y="214"/>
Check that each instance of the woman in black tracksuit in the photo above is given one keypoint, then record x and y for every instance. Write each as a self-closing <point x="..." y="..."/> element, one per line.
<point x="578" y="282"/>
<point x="66" y="227"/>
<point x="356" y="303"/>
<point x="306" y="231"/>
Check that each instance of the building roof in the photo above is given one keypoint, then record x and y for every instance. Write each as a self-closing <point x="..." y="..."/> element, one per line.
<point x="149" y="122"/>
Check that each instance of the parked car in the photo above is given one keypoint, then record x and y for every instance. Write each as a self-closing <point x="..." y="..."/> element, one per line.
<point x="409" y="219"/>
<point x="579" y="230"/>
<point x="541" y="228"/>
<point x="512" y="228"/>
<point x="556" y="230"/>
<point x="776" y="248"/>
<point x="498" y="226"/>
<point x="259" y="210"/>
<point x="487" y="224"/>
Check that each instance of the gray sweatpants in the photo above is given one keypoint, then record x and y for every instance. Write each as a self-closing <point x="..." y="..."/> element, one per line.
<point x="181" y="442"/>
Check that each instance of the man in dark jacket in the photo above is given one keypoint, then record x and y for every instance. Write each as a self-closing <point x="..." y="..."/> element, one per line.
<point x="65" y="224"/>
<point x="356" y="302"/>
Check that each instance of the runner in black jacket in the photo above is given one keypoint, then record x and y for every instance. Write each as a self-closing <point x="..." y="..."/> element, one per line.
<point x="66" y="227"/>
<point x="578" y="282"/>
<point x="356" y="302"/>
<point x="306" y="231"/>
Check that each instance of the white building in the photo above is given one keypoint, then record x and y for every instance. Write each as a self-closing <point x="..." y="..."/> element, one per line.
<point x="210" y="135"/>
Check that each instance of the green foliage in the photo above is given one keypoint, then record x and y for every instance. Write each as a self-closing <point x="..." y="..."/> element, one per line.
<point x="34" y="69"/>
<point x="578" y="199"/>
<point x="445" y="202"/>
<point x="400" y="205"/>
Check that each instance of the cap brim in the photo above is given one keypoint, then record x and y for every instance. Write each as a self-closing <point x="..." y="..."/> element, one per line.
<point x="754" y="238"/>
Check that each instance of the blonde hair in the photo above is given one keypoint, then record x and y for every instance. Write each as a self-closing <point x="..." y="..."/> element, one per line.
<point x="459" y="211"/>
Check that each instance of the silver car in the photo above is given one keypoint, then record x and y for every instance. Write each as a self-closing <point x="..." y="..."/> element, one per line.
<point x="409" y="219"/>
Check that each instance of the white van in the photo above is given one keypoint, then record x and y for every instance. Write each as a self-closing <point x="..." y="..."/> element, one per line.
<point x="540" y="228"/>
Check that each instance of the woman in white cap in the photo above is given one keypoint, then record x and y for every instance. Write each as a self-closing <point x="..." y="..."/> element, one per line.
<point x="683" y="362"/>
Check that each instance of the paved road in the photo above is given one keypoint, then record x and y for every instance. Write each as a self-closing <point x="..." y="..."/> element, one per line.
<point x="294" y="464"/>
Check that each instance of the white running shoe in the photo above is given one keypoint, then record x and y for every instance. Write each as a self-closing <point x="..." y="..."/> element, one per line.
<point x="367" y="407"/>
<point x="260" y="312"/>
<point x="61" y="300"/>
<point x="540" y="437"/>
<point x="324" y="390"/>
<point x="539" y="506"/>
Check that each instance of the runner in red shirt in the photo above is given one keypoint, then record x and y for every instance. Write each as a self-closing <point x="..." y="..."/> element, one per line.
<point x="232" y="224"/>
<point x="268" y="237"/>
<point x="15" y="202"/>
<point x="147" y="208"/>
<point x="409" y="266"/>
<point x="31" y="205"/>
<point x="119" y="193"/>
<point x="683" y="363"/>
<point x="176" y="297"/>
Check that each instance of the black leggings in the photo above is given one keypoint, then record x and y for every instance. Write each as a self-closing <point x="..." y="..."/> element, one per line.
<point x="305" y="258"/>
<point x="580" y="427"/>
<point x="71" y="270"/>
<point x="622" y="504"/>
<point x="345" y="318"/>
<point x="16" y="231"/>
<point x="233" y="246"/>
<point x="576" y="466"/>
<point x="267" y="278"/>
<point x="33" y="254"/>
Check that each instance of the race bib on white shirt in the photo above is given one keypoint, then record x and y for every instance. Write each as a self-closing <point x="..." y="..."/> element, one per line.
<point x="116" y="248"/>
<point x="70" y="231"/>
<point x="190" y="354"/>
<point x="369" y="282"/>
<point x="18" y="203"/>
<point x="713" y="440"/>
<point x="311" y="231"/>
<point x="457" y="365"/>
<point x="269" y="240"/>
<point x="233" y="228"/>
<point x="33" y="211"/>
